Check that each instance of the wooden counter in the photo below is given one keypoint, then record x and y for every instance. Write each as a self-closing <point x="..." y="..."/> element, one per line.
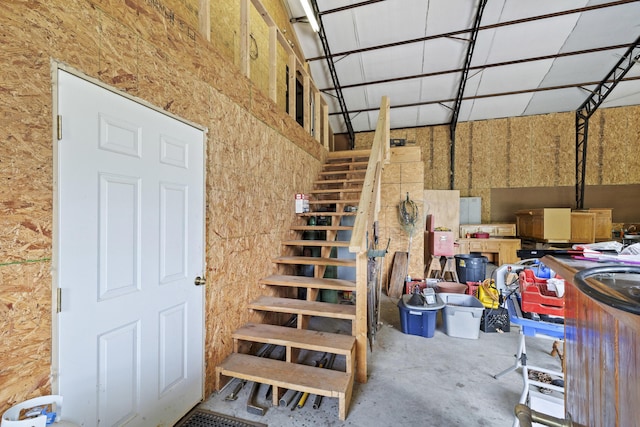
<point x="602" y="386"/>
<point x="499" y="251"/>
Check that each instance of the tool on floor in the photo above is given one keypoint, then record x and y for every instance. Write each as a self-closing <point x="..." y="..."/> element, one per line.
<point x="253" y="407"/>
<point x="296" y="398"/>
<point x="287" y="398"/>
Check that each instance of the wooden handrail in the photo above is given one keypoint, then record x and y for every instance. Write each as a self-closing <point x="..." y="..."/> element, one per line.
<point x="368" y="209"/>
<point x="369" y="204"/>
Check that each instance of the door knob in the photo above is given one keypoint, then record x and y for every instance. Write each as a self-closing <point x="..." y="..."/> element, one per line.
<point x="200" y="281"/>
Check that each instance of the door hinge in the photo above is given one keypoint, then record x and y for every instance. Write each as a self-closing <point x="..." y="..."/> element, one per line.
<point x="58" y="300"/>
<point x="59" y="125"/>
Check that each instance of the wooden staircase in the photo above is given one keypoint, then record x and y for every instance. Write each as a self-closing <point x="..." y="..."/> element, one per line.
<point x="335" y="193"/>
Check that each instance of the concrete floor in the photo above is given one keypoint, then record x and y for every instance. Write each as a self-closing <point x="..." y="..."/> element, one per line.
<point x="417" y="381"/>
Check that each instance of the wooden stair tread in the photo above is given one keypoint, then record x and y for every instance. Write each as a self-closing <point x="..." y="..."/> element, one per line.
<point x="298" y="338"/>
<point x="335" y="190"/>
<point x="320" y="227"/>
<point x="321" y="213"/>
<point x="307" y="282"/>
<point x="315" y="260"/>
<point x="328" y="166"/>
<point x="344" y="172"/>
<point x="332" y="243"/>
<point x="332" y="202"/>
<point x="325" y="382"/>
<point x="340" y="181"/>
<point x="303" y="307"/>
<point x="347" y="154"/>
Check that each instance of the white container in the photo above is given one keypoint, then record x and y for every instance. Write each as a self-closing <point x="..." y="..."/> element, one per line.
<point x="302" y="203"/>
<point x="461" y="315"/>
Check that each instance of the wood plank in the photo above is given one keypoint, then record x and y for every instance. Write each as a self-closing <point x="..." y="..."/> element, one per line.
<point x="334" y="202"/>
<point x="308" y="308"/>
<point x="320" y="227"/>
<point x="398" y="274"/>
<point x="307" y="282"/>
<point x="349" y="154"/>
<point x="348" y="165"/>
<point x="360" y="172"/>
<point x="336" y="190"/>
<point x="339" y="181"/>
<point x="321" y="213"/>
<point x="325" y="382"/>
<point x="332" y="243"/>
<point x="313" y="260"/>
<point x="299" y="338"/>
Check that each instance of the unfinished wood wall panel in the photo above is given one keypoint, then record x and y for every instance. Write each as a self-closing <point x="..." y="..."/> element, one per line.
<point x="463" y="158"/>
<point x="444" y="208"/>
<point x="25" y="311"/>
<point x="405" y="174"/>
<point x="257" y="159"/>
<point x="441" y="158"/>
<point x="497" y="156"/>
<point x="530" y="152"/>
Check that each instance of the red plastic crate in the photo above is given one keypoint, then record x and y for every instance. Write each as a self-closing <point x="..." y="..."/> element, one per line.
<point x="472" y="288"/>
<point x="536" y="298"/>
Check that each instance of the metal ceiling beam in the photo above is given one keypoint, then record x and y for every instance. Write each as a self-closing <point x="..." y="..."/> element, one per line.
<point x="590" y="105"/>
<point x="482" y="67"/>
<point x="485" y="27"/>
<point x="489" y="95"/>
<point x="463" y="84"/>
<point x="351" y="6"/>
<point x="334" y="77"/>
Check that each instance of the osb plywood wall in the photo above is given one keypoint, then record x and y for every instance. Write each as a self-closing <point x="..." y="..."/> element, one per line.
<point x="535" y="151"/>
<point x="225" y="34"/>
<point x="401" y="177"/>
<point x="257" y="158"/>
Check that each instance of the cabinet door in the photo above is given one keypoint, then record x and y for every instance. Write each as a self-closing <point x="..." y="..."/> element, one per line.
<point x="537" y="227"/>
<point x="505" y="230"/>
<point x="476" y="246"/>
<point x="583" y="227"/>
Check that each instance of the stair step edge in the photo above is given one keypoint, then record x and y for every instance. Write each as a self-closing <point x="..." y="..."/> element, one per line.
<point x="308" y="282"/>
<point x="303" y="307"/>
<point x="332" y="243"/>
<point x="297" y="338"/>
<point x="310" y="260"/>
<point x="325" y="382"/>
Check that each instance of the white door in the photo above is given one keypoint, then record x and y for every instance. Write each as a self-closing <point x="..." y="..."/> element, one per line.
<point x="130" y="244"/>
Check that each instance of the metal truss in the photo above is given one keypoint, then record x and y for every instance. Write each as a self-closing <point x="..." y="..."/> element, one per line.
<point x="589" y="106"/>
<point x="463" y="83"/>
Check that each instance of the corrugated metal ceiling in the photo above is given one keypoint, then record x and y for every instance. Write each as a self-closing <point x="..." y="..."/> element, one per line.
<point x="530" y="57"/>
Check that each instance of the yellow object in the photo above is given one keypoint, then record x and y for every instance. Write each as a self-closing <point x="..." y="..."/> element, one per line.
<point x="303" y="400"/>
<point x="488" y="294"/>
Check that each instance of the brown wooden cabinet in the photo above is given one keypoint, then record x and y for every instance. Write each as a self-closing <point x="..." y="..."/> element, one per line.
<point x="546" y="224"/>
<point x="583" y="227"/>
<point x="603" y="226"/>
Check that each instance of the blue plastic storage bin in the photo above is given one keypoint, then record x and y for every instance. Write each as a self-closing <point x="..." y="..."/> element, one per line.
<point x="419" y="321"/>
